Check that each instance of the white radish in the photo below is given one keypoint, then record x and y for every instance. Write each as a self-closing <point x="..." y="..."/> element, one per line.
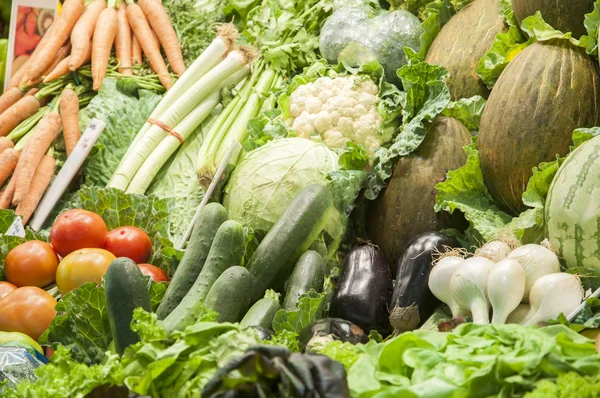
<point x="469" y="288"/>
<point x="505" y="288"/>
<point x="552" y="295"/>
<point x="439" y="281"/>
<point x="537" y="261"/>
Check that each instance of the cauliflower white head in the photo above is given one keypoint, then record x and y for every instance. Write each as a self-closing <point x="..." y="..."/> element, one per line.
<point x="337" y="110"/>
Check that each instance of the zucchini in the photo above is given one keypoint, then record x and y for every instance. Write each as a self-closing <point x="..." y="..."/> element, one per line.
<point x="226" y="251"/>
<point x="211" y="218"/>
<point x="261" y="313"/>
<point x="126" y="289"/>
<point x="296" y="230"/>
<point x="309" y="273"/>
<point x="231" y="294"/>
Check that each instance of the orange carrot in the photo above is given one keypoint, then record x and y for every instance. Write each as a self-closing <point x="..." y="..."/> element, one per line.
<point x="63" y="67"/>
<point x="81" y="36"/>
<point x="69" y="114"/>
<point x="136" y="51"/>
<point x="16" y="79"/>
<point x="70" y="13"/>
<point x="9" y="192"/>
<point x="104" y="37"/>
<point x="39" y="183"/>
<point x="45" y="133"/>
<point x="61" y="55"/>
<point x="143" y="32"/>
<point x="9" y="98"/>
<point x="21" y="110"/>
<point x="123" y="42"/>
<point x="5" y="144"/>
<point x="162" y="26"/>
<point x="8" y="162"/>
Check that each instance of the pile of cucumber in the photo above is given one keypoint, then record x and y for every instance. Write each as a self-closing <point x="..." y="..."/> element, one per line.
<point x="210" y="274"/>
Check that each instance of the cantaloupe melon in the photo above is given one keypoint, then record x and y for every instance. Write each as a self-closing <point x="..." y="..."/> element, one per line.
<point x="564" y="15"/>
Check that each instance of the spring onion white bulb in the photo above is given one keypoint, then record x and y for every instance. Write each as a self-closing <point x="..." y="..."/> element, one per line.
<point x="439" y="281"/>
<point x="505" y="288"/>
<point x="469" y="288"/>
<point x="537" y="261"/>
<point x="552" y="295"/>
<point x="519" y="313"/>
<point x="495" y="250"/>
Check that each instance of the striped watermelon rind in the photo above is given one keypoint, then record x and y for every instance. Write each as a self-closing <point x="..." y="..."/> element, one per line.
<point x="572" y="211"/>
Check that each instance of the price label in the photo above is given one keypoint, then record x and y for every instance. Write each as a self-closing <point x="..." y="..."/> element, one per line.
<point x="16" y="228"/>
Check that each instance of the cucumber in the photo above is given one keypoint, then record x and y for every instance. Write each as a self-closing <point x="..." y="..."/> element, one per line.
<point x="226" y="251"/>
<point x="296" y="230"/>
<point x="261" y="313"/>
<point x="203" y="234"/>
<point x="309" y="273"/>
<point x="126" y="289"/>
<point x="231" y="294"/>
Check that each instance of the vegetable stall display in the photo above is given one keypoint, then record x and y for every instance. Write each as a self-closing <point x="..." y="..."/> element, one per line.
<point x="346" y="198"/>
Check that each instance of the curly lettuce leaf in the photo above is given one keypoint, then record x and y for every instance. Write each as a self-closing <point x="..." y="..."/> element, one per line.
<point x="592" y="24"/>
<point x="309" y="309"/>
<point x="124" y="116"/>
<point x="567" y="385"/>
<point x="467" y="111"/>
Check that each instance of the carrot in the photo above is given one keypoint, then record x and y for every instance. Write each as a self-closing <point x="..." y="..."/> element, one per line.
<point x="136" y="51"/>
<point x="39" y="183"/>
<point x="104" y="37"/>
<point x="8" y="162"/>
<point x="45" y="133"/>
<point x="143" y="32"/>
<point x="162" y="26"/>
<point x="61" y="55"/>
<point x="123" y="42"/>
<point x="70" y="13"/>
<point x="9" y="192"/>
<point x="63" y="67"/>
<point x="16" y="79"/>
<point x="9" y="98"/>
<point x="5" y="144"/>
<point x="69" y="114"/>
<point x="21" y="110"/>
<point x="81" y="36"/>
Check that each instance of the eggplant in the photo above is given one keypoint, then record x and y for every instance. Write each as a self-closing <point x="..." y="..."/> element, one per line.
<point x="412" y="301"/>
<point x="330" y="329"/>
<point x="364" y="290"/>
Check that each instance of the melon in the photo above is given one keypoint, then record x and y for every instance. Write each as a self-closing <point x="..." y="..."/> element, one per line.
<point x="546" y="92"/>
<point x="462" y="42"/>
<point x="405" y="208"/>
<point x="564" y="15"/>
<point x="572" y="212"/>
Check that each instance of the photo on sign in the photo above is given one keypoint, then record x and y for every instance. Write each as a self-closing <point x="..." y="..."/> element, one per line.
<point x="31" y="25"/>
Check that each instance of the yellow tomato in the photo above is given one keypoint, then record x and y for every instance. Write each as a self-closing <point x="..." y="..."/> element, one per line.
<point x="81" y="266"/>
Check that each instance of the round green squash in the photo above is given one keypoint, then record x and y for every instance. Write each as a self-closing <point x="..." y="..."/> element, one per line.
<point x="564" y="15"/>
<point x="462" y="42"/>
<point x="573" y="208"/>
<point x="405" y="208"/>
<point x="546" y="92"/>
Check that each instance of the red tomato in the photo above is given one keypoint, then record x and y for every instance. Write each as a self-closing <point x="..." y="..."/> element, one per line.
<point x="28" y="310"/>
<point x="77" y="229"/>
<point x="6" y="288"/>
<point x="32" y="263"/>
<point x="157" y="274"/>
<point x="49" y="352"/>
<point x="81" y="266"/>
<point x="130" y="242"/>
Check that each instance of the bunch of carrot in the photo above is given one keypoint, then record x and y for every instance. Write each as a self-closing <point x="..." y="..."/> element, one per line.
<point x="31" y="161"/>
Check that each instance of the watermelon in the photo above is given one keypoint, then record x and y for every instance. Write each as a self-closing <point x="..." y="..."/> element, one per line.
<point x="572" y="212"/>
<point x="545" y="93"/>
<point x="462" y="42"/>
<point x="564" y="15"/>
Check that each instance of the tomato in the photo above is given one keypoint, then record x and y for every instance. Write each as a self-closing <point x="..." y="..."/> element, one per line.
<point x="81" y="266"/>
<point x="27" y="310"/>
<point x="16" y="337"/>
<point x="77" y="229"/>
<point x="49" y="352"/>
<point x="157" y="274"/>
<point x="31" y="263"/>
<point x="5" y="288"/>
<point x="130" y="242"/>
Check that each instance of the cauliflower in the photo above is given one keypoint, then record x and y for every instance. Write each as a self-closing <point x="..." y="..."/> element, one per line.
<point x="336" y="110"/>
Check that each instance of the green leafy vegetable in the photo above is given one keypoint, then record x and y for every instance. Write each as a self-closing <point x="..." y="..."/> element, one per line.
<point x="467" y="111"/>
<point x="309" y="309"/>
<point x="3" y="54"/>
<point x="124" y="116"/>
<point x="567" y="385"/>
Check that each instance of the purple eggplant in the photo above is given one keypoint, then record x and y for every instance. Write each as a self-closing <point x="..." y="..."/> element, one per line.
<point x="364" y="290"/>
<point x="412" y="302"/>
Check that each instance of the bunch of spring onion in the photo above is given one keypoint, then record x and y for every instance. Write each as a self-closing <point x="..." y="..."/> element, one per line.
<point x="184" y="107"/>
